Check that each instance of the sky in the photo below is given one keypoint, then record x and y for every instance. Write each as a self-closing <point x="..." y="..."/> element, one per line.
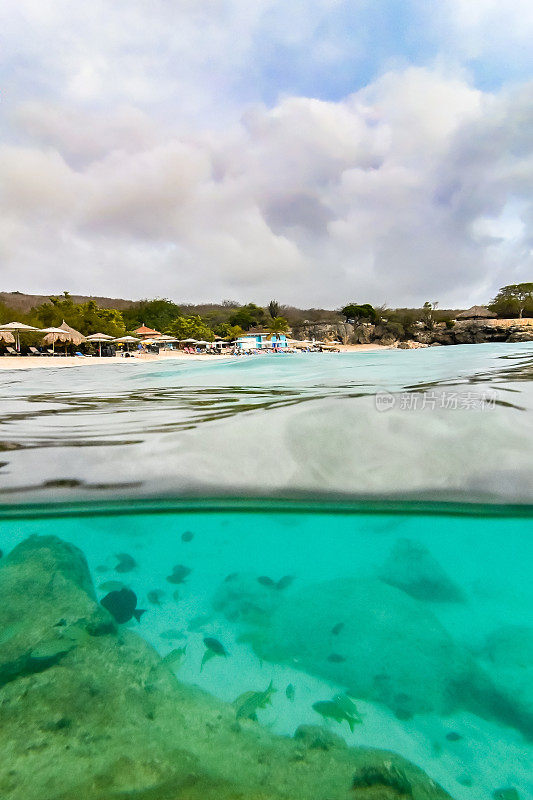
<point x="313" y="151"/>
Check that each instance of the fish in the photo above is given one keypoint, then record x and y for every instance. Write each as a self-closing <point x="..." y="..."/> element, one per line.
<point x="349" y="707"/>
<point x="453" y="736"/>
<point x="330" y="710"/>
<point x="337" y="628"/>
<point x="179" y="573"/>
<point x="155" y="596"/>
<point x="111" y="586"/>
<point x="264" y="580"/>
<point x="175" y="657"/>
<point x="188" y="536"/>
<point x="176" y="595"/>
<point x="284" y="582"/>
<point x="171" y="633"/>
<point x="213" y="648"/>
<point x="125" y="562"/>
<point x="230" y="577"/>
<point x="102" y="568"/>
<point x="335" y="658"/>
<point x="122" y="605"/>
<point x="246" y="704"/>
<point x="290" y="692"/>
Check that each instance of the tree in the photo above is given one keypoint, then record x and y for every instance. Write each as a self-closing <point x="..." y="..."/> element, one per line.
<point x="513" y="299"/>
<point x="273" y="309"/>
<point x="86" y="317"/>
<point x="248" y="316"/>
<point x="157" y="314"/>
<point x="360" y="313"/>
<point x="428" y="317"/>
<point x="191" y="327"/>
<point x="277" y="325"/>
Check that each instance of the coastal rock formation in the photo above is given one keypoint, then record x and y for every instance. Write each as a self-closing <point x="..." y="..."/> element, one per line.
<point x="411" y="567"/>
<point x="104" y="718"/>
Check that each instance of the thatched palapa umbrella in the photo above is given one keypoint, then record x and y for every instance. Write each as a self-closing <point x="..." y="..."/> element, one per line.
<point x="67" y="334"/>
<point x="7" y="337"/>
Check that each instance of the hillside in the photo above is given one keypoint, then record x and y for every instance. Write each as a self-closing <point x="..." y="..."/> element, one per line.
<point x="25" y="302"/>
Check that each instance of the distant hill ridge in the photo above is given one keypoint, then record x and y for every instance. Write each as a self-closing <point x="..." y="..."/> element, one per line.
<point x="25" y="302"/>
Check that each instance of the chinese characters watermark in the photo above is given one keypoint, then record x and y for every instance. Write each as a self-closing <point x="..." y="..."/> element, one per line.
<point x="446" y="399"/>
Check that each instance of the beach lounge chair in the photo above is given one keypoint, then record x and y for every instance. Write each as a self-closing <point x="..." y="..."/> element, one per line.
<point x="12" y="352"/>
<point x="35" y="352"/>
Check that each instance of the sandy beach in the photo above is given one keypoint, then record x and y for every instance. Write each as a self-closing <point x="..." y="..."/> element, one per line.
<point x="29" y="362"/>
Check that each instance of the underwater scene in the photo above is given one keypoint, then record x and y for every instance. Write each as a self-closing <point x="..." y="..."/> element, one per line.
<point x="281" y="577"/>
<point x="238" y="649"/>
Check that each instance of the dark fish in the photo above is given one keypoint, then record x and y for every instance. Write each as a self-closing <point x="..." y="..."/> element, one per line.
<point x="125" y="562"/>
<point x="215" y="646"/>
<point x="337" y="628"/>
<point x="246" y="704"/>
<point x="290" y="692"/>
<point x="264" y="580"/>
<point x="188" y="536"/>
<point x="335" y="658"/>
<point x="330" y="710"/>
<point x="453" y="736"/>
<point x="179" y="573"/>
<point x="122" y="605"/>
<point x="230" y="577"/>
<point x="284" y="582"/>
<point x="155" y="596"/>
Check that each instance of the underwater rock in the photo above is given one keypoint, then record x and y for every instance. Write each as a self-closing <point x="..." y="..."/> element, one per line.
<point x="245" y="597"/>
<point x="110" y="721"/>
<point x="411" y="567"/>
<point x="393" y="648"/>
<point x="318" y="738"/>
<point x="508" y="658"/>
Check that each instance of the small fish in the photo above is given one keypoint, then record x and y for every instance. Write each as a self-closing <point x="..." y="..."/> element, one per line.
<point x="349" y="707"/>
<point x="330" y="710"/>
<point x="176" y="595"/>
<point x="337" y="628"/>
<point x="335" y="658"/>
<point x="171" y="633"/>
<point x="213" y="648"/>
<point x="230" y="577"/>
<point x="175" y="657"/>
<point x="284" y="582"/>
<point x="290" y="692"/>
<point x="179" y="573"/>
<point x="453" y="736"/>
<point x="188" y="536"/>
<point x="246" y="704"/>
<point x="264" y="580"/>
<point x="122" y="605"/>
<point x="125" y="562"/>
<point x="111" y="586"/>
<point x="155" y="596"/>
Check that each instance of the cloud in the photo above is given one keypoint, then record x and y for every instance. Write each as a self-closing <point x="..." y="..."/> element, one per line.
<point x="308" y="150"/>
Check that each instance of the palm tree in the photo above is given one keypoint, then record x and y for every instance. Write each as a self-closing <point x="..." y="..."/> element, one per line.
<point x="277" y="326"/>
<point x="273" y="309"/>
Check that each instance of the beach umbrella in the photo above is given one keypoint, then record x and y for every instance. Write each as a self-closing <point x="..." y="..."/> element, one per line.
<point x="188" y="341"/>
<point x="99" y="337"/>
<point x="126" y="340"/>
<point x="67" y="334"/>
<point x="48" y="331"/>
<point x="17" y="328"/>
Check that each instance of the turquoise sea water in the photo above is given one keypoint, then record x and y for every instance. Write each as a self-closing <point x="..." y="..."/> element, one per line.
<point x="420" y="612"/>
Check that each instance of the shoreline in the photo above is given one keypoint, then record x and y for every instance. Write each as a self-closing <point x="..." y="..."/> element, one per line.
<point x="47" y="362"/>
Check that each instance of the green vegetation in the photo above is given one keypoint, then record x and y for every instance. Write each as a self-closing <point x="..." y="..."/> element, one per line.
<point x="277" y="325"/>
<point x="84" y="317"/>
<point x="248" y="316"/>
<point x="360" y="313"/>
<point x="515" y="300"/>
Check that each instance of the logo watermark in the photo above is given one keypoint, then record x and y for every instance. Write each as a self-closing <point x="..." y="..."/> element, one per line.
<point x="446" y="399"/>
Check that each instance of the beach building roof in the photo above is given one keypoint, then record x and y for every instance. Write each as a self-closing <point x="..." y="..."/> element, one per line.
<point x="144" y="331"/>
<point x="476" y="312"/>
